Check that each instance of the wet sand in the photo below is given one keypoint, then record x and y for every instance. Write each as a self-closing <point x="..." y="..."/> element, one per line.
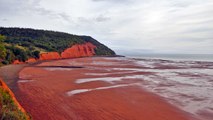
<point x="10" y="74"/>
<point x="92" y="89"/>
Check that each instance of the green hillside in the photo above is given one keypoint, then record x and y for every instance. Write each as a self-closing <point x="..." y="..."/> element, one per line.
<point x="22" y="43"/>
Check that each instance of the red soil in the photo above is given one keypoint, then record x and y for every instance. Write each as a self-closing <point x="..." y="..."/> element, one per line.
<point x="44" y="95"/>
<point x="31" y="60"/>
<point x="50" y="56"/>
<point x="17" y="62"/>
<point x="79" y="50"/>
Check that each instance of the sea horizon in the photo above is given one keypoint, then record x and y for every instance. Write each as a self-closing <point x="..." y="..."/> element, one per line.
<point x="176" y="57"/>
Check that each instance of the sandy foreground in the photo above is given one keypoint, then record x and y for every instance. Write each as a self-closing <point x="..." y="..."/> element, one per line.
<point x="94" y="88"/>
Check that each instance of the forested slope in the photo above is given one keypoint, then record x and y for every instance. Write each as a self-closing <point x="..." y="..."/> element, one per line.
<point x="22" y="44"/>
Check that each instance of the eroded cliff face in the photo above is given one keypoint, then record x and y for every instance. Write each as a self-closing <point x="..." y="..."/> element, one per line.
<point x="17" y="62"/>
<point x="79" y="50"/>
<point x="83" y="50"/>
<point x="30" y="60"/>
<point x="50" y="56"/>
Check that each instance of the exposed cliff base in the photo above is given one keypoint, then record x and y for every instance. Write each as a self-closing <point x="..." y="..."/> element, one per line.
<point x="76" y="51"/>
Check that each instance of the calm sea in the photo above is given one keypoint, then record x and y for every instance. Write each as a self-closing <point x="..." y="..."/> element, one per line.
<point x="184" y="57"/>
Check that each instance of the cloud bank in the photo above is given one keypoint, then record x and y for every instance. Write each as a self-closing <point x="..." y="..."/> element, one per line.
<point x="146" y="26"/>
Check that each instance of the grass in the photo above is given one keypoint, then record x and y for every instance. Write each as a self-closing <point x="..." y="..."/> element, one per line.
<point x="8" y="108"/>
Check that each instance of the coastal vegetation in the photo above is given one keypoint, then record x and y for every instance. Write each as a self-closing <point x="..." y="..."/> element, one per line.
<point x="21" y="43"/>
<point x="9" y="109"/>
<point x="11" y="52"/>
<point x="2" y="50"/>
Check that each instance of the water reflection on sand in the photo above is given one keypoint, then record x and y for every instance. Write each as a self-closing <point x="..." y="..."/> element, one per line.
<point x="186" y="84"/>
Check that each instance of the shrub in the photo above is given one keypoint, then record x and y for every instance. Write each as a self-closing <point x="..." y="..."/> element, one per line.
<point x="9" y="110"/>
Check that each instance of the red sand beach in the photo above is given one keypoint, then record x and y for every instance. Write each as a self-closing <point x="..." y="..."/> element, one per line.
<point x="92" y="88"/>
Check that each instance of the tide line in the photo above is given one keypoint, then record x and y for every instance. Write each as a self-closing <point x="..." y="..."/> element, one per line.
<point x="79" y="91"/>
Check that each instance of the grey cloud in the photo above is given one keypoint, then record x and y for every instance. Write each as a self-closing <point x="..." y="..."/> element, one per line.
<point x="52" y="14"/>
<point x="4" y="19"/>
<point x="28" y="7"/>
<point x="65" y="16"/>
<point x="102" y="18"/>
<point x="89" y="20"/>
<point x="84" y="19"/>
<point x="110" y="0"/>
<point x="152" y="25"/>
<point x="125" y="2"/>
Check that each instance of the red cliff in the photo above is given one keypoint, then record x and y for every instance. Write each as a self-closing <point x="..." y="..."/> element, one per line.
<point x="79" y="50"/>
<point x="82" y="50"/>
<point x="17" y="62"/>
<point x="50" y="56"/>
<point x="31" y="60"/>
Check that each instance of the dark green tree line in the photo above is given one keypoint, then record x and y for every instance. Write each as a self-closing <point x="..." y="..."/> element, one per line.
<point x="21" y="43"/>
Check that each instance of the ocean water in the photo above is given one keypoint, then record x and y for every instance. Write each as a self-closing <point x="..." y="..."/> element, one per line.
<point x="184" y="57"/>
<point x="184" y="80"/>
<point x="184" y="83"/>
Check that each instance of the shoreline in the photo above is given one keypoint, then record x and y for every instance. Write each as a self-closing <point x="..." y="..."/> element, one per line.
<point x="16" y="68"/>
<point x="9" y="74"/>
<point x="172" y="59"/>
<point x="152" y="103"/>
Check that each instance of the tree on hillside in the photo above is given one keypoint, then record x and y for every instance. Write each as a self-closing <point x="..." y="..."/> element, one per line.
<point x="2" y="38"/>
<point x="36" y="54"/>
<point x="2" y="48"/>
<point x="10" y="57"/>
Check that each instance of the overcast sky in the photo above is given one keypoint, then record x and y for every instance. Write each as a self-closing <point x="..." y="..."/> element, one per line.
<point x="142" y="26"/>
